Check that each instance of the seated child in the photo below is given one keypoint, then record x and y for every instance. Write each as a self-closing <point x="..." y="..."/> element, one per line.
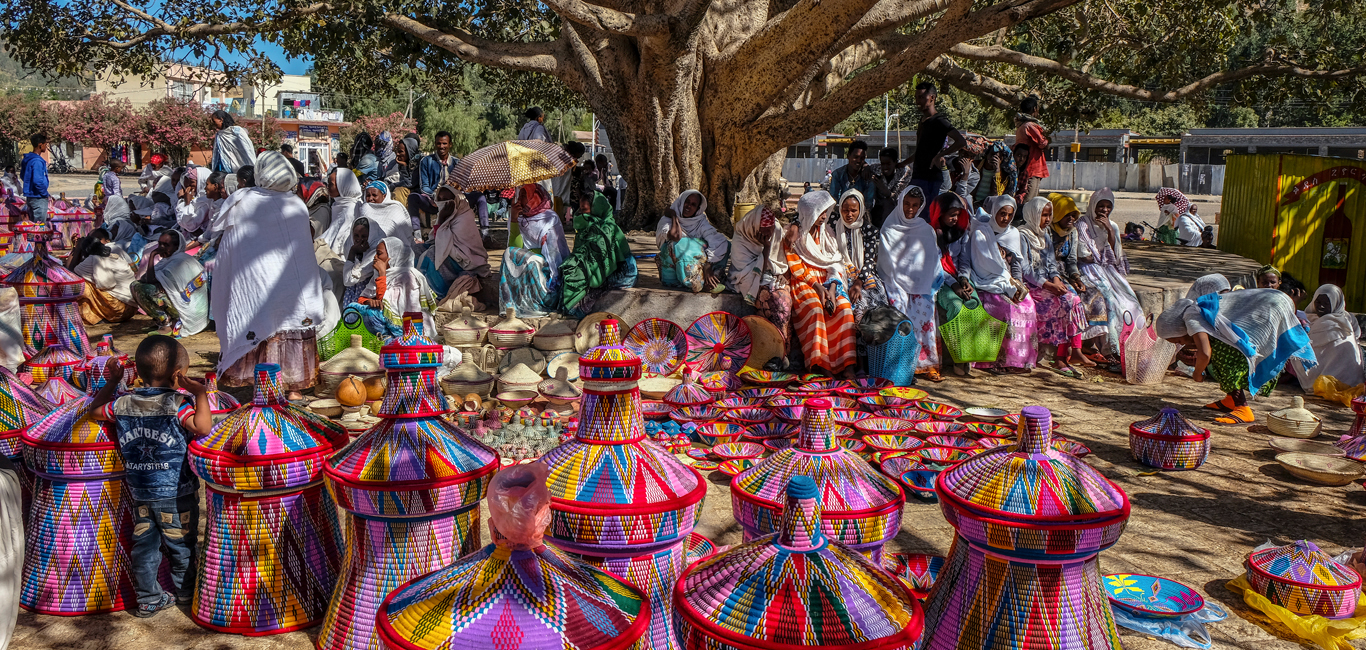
<point x="155" y="425"/>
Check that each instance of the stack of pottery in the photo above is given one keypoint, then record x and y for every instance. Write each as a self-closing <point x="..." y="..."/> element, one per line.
<point x="352" y="361"/>
<point x="795" y="589"/>
<point x="272" y="547"/>
<point x="47" y="297"/>
<point x="1030" y="521"/>
<point x="517" y="593"/>
<point x="411" y="486"/>
<point x="861" y="507"/>
<point x="622" y="502"/>
<point x="1305" y="580"/>
<point x="76" y="558"/>
<point x="1169" y="441"/>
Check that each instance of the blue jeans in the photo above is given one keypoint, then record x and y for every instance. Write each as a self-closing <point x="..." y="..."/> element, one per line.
<point x="929" y="187"/>
<point x="37" y="206"/>
<point x="169" y="524"/>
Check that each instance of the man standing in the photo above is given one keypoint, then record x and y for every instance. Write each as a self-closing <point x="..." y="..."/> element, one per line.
<point x="858" y="175"/>
<point x="297" y="164"/>
<point x="432" y="173"/>
<point x="534" y="129"/>
<point x="1029" y="132"/>
<point x="934" y="130"/>
<point x="895" y="176"/>
<point x="33" y="172"/>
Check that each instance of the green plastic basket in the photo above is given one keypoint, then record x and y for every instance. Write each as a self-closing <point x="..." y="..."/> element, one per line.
<point x="973" y="335"/>
<point x="340" y="338"/>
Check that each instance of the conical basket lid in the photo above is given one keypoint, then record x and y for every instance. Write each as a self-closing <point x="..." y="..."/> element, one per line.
<point x="20" y="406"/>
<point x="58" y="390"/>
<point x="1033" y="482"/>
<point x="796" y="589"/>
<point x="1302" y="563"/>
<point x="42" y="276"/>
<point x="1169" y="423"/>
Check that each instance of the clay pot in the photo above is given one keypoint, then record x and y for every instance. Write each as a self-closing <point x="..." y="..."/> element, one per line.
<point x="351" y="391"/>
<point x="374" y="387"/>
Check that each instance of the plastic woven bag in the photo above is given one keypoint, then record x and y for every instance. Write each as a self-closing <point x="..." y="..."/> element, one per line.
<point x="1146" y="356"/>
<point x="352" y="322"/>
<point x="1332" y="389"/>
<point x="973" y="335"/>
<point x="895" y="359"/>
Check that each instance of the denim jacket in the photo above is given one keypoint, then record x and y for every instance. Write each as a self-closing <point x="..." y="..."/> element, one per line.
<point x="154" y="443"/>
<point x="429" y="173"/>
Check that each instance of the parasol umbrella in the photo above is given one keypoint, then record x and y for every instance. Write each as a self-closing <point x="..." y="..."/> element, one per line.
<point x="509" y="164"/>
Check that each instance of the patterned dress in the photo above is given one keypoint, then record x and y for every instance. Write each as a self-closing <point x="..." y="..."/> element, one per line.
<point x="827" y="339"/>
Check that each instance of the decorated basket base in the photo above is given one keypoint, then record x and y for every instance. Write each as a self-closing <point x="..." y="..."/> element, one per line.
<point x="267" y="564"/>
<point x="77" y="549"/>
<point x="1169" y="441"/>
<point x="655" y="575"/>
<point x="985" y="602"/>
<point x="385" y="554"/>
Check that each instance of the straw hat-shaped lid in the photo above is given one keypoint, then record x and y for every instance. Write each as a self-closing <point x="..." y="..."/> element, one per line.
<point x="511" y="324"/>
<point x="688" y="393"/>
<point x="843" y="479"/>
<point x="68" y="441"/>
<point x="795" y="589"/>
<point x="269" y="444"/>
<point x="1169" y="423"/>
<point x="57" y="390"/>
<point x="517" y="592"/>
<point x="411" y="360"/>
<point x="520" y="374"/>
<point x="20" y="408"/>
<point x="354" y="359"/>
<point x="465" y="321"/>
<point x="42" y="277"/>
<point x="1302" y="563"/>
<point x="53" y="356"/>
<point x="1032" y="482"/>
<point x="1296" y="412"/>
<point x="468" y="372"/>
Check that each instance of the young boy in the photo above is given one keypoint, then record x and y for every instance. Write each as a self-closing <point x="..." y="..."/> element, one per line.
<point x="155" y="425"/>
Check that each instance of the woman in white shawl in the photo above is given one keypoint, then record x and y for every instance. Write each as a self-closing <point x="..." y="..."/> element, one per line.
<point x="822" y="310"/>
<point x="852" y="225"/>
<point x="996" y="273"/>
<point x="381" y="208"/>
<point x="1207" y="284"/>
<point x="175" y="295"/>
<point x="1103" y="267"/>
<point x="347" y="196"/>
<point x="232" y="146"/>
<point x="267" y="298"/>
<point x="1244" y="338"/>
<point x="758" y="269"/>
<point x="108" y="275"/>
<point x="1061" y="318"/>
<point x="908" y="265"/>
<point x="692" y="252"/>
<point x="1333" y="333"/>
<point x="530" y="277"/>
<point x="398" y="287"/>
<point x="456" y="261"/>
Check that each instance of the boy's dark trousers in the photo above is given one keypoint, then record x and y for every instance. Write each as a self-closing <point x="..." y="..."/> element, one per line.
<point x="174" y="525"/>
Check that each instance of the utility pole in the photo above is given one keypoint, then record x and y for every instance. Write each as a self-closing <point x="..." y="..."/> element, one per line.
<point x="886" y="119"/>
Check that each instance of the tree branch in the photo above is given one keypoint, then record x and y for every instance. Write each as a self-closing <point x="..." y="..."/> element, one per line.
<point x="1090" y="82"/>
<point x="610" y="20"/>
<point x="532" y="57"/>
<point x="198" y="30"/>
<point x="1003" y="96"/>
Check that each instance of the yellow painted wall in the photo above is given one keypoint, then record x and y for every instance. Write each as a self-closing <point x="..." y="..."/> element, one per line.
<point x="1247" y="214"/>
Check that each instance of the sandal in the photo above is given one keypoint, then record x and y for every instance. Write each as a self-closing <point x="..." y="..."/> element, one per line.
<point x="1239" y="415"/>
<point x="933" y="375"/>
<point x="1224" y="405"/>
<point x="1069" y="372"/>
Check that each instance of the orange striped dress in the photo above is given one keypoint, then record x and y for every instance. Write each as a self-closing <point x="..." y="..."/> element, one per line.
<point x="828" y="339"/>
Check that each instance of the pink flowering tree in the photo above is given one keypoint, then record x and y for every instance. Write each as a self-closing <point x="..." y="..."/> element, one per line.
<point x="265" y="136"/>
<point x="395" y="123"/>
<point x="20" y="117"/>
<point x="99" y="122"/>
<point x="175" y="127"/>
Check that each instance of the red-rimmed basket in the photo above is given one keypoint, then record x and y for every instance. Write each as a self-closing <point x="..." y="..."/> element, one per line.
<point x="1169" y="441"/>
<point x="881" y="425"/>
<point x="1305" y="580"/>
<point x="716" y="336"/>
<point x="940" y="411"/>
<point x="659" y="343"/>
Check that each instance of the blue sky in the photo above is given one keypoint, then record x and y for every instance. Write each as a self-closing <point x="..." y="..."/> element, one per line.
<point x="276" y="54"/>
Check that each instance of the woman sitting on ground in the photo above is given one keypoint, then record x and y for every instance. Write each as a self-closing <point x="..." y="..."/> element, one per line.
<point x="457" y="260"/>
<point x="1102" y="263"/>
<point x="601" y="260"/>
<point x="530" y="280"/>
<point x="692" y="252"/>
<point x="1061" y="318"/>
<point x="173" y="292"/>
<point x="997" y="275"/>
<point x="1070" y="251"/>
<point x="909" y="268"/>
<point x="758" y="269"/>
<point x="346" y="195"/>
<point x="1333" y="333"/>
<point x="1244" y="338"/>
<point x="397" y="286"/>
<point x="823" y="313"/>
<point x="853" y="229"/>
<point x="949" y="218"/>
<point x="108" y="274"/>
<point x="315" y="197"/>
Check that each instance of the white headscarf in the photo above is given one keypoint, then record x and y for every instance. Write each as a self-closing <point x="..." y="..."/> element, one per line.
<point x="1092" y="235"/>
<point x="748" y="253"/>
<point x="458" y="237"/>
<point x="265" y="277"/>
<point x="1032" y="213"/>
<point x="1207" y="284"/>
<point x="391" y="217"/>
<point x="112" y="274"/>
<point x="850" y="236"/>
<point x="273" y="172"/>
<point x="198" y="213"/>
<point x="907" y="254"/>
<point x="116" y="209"/>
<point x="232" y="145"/>
<point x="990" y="271"/>
<point x="182" y="278"/>
<point x="1334" y="338"/>
<point x="344" y="208"/>
<point x="363" y="271"/>
<point x="825" y="254"/>
<point x="405" y="288"/>
<point x="696" y="227"/>
<point x="544" y="231"/>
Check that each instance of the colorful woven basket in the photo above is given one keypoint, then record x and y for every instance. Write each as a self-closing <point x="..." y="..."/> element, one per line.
<point x="411" y="486"/>
<point x="861" y="506"/>
<point x="76" y="555"/>
<point x="1169" y="441"/>
<point x="917" y="569"/>
<point x="20" y="408"/>
<point x="47" y="300"/>
<point x="58" y="391"/>
<point x="716" y="336"/>
<point x="795" y="589"/>
<point x="660" y="344"/>
<point x="688" y="393"/>
<point x="615" y="494"/>
<point x="1305" y="580"/>
<point x="1030" y="521"/>
<point x="55" y="360"/>
<point x="272" y="548"/>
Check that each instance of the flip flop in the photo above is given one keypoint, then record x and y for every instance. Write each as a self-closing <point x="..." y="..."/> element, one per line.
<point x="1234" y="418"/>
<point x="1069" y="372"/>
<point x="1219" y="406"/>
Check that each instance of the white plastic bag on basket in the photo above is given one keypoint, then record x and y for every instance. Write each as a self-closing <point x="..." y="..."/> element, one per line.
<point x="1146" y="356"/>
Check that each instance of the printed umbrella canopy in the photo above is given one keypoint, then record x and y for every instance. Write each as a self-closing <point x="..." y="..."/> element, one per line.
<point x="509" y="164"/>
